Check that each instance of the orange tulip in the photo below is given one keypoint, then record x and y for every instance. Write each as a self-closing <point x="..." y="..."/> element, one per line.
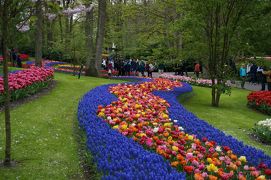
<point x="175" y="163"/>
<point x="198" y="176"/>
<point x="211" y="177"/>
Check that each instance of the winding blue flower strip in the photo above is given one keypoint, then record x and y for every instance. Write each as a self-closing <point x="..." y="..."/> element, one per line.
<point x="117" y="156"/>
<point x="194" y="125"/>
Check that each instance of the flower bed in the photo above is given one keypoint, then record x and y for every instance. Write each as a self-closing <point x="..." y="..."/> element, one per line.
<point x="262" y="130"/>
<point x="116" y="156"/>
<point x="260" y="100"/>
<point x="200" y="150"/>
<point x="24" y="57"/>
<point x="190" y="80"/>
<point x="26" y="82"/>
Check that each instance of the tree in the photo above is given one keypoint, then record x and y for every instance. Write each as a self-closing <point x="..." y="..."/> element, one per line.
<point x="100" y="34"/>
<point x="218" y="21"/>
<point x="89" y="25"/>
<point x="4" y="39"/>
<point x="38" y="35"/>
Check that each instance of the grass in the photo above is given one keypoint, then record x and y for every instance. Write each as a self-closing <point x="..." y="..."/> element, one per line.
<point x="9" y="69"/>
<point x="233" y="116"/>
<point x="44" y="142"/>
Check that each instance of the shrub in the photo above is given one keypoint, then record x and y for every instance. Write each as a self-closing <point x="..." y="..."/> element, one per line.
<point x="262" y="130"/>
<point x="260" y="100"/>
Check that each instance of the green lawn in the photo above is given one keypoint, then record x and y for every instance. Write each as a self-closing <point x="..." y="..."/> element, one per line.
<point x="9" y="69"/>
<point x="43" y="132"/>
<point x="233" y="116"/>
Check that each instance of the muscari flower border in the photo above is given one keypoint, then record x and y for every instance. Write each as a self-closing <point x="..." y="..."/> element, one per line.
<point x="119" y="157"/>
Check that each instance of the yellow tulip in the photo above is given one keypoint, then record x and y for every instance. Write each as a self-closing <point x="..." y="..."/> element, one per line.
<point x="212" y="167"/>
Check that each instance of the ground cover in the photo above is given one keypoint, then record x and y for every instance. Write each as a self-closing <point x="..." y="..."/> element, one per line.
<point x="233" y="116"/>
<point x="44" y="141"/>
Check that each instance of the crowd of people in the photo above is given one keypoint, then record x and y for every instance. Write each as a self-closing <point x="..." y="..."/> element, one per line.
<point x="256" y="75"/>
<point x="130" y="67"/>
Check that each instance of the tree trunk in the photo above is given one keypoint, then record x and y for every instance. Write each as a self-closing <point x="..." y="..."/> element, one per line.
<point x="216" y="93"/>
<point x="90" y="64"/>
<point x="6" y="3"/>
<point x="60" y="27"/>
<point x="100" y="34"/>
<point x="38" y="39"/>
<point x="213" y="92"/>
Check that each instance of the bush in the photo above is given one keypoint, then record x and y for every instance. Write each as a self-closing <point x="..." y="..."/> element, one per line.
<point x="262" y="130"/>
<point x="261" y="101"/>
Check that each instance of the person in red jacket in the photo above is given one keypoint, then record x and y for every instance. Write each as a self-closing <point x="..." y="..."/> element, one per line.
<point x="197" y="69"/>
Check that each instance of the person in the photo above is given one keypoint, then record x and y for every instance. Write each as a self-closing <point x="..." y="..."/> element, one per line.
<point x="19" y="61"/>
<point x="110" y="69"/>
<point x="104" y="63"/>
<point x="243" y="74"/>
<point x="197" y="69"/>
<point x="133" y="67"/>
<point x="161" y="68"/>
<point x="80" y="70"/>
<point x="151" y="69"/>
<point x="261" y="77"/>
<point x="268" y="78"/>
<point x="14" y="56"/>
<point x="142" y="68"/>
<point x="253" y="73"/>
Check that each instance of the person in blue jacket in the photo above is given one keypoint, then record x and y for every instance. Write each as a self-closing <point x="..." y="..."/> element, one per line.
<point x="243" y="75"/>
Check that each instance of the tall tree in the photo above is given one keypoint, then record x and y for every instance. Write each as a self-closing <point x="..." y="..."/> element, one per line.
<point x="219" y="20"/>
<point x="5" y="20"/>
<point x="38" y="35"/>
<point x="89" y="25"/>
<point x="100" y="33"/>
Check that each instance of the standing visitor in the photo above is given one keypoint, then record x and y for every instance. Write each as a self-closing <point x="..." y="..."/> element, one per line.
<point x="110" y="69"/>
<point x="197" y="69"/>
<point x="261" y="77"/>
<point x="19" y="61"/>
<point x="243" y="74"/>
<point x="142" y="68"/>
<point x="147" y="68"/>
<point x="104" y="63"/>
<point x="80" y="71"/>
<point x="137" y="67"/>
<point x="268" y="78"/>
<point x="161" y="68"/>
<point x="253" y="73"/>
<point x="14" y="57"/>
<point x="151" y="69"/>
<point x="133" y="67"/>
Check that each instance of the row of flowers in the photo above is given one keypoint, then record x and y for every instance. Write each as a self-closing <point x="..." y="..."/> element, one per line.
<point x="23" y="57"/>
<point x="190" y="80"/>
<point x="260" y="100"/>
<point x="26" y="82"/>
<point x="144" y="117"/>
<point x="262" y="130"/>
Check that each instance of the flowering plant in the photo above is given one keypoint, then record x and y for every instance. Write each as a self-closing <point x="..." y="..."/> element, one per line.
<point x="190" y="80"/>
<point x="262" y="129"/>
<point x="25" y="82"/>
<point x="260" y="100"/>
<point x="24" y="57"/>
<point x="145" y="115"/>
